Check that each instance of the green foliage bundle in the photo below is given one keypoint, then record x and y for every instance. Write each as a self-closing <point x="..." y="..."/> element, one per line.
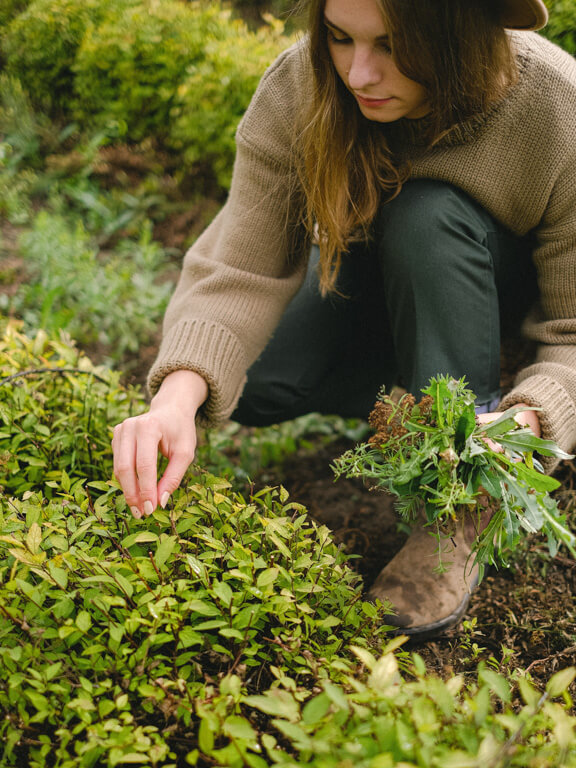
<point x="56" y="411"/>
<point x="110" y="299"/>
<point x="435" y="455"/>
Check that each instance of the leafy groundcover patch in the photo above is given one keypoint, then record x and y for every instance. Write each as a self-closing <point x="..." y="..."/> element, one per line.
<point x="223" y="631"/>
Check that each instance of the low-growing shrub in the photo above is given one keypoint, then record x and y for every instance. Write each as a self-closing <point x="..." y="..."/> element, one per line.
<point x="117" y="634"/>
<point x="216" y="91"/>
<point x="56" y="413"/>
<point x="230" y="633"/>
<point x="110" y="299"/>
<point x="221" y="631"/>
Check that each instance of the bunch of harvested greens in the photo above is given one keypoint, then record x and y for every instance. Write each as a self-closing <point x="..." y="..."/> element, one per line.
<point x="435" y="456"/>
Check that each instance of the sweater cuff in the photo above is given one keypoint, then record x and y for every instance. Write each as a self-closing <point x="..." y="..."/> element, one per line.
<point x="558" y="414"/>
<point x="211" y="351"/>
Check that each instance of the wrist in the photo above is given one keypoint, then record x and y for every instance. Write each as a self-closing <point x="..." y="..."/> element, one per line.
<point x="187" y="388"/>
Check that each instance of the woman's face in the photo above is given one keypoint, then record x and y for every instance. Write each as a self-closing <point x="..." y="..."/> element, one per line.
<point x="360" y="49"/>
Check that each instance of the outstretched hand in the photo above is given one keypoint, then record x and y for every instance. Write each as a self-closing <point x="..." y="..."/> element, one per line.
<point x="169" y="427"/>
<point x="526" y="418"/>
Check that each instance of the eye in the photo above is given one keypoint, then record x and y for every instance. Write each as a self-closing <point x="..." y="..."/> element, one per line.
<point x="336" y="37"/>
<point x="384" y="45"/>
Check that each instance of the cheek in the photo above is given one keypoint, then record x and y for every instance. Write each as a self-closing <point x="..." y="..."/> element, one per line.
<point x="339" y="60"/>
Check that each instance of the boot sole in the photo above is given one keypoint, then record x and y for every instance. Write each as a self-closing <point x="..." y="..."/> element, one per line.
<point x="435" y="628"/>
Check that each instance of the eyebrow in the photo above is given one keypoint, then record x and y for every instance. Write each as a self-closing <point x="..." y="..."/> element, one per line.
<point x="328" y="23"/>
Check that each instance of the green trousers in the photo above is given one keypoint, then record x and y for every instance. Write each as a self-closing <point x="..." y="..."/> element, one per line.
<point x="429" y="295"/>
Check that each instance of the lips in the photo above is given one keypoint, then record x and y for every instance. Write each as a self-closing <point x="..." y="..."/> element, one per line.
<point x="371" y="102"/>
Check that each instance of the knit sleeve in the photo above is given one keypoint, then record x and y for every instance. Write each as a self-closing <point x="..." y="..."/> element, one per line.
<point x="242" y="271"/>
<point x="550" y="382"/>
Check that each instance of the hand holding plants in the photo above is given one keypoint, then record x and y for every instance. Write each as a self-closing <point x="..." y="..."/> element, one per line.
<point x="169" y="426"/>
<point x="438" y="457"/>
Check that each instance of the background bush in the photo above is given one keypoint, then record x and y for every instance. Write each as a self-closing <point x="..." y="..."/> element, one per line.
<point x="561" y="28"/>
<point x="179" y="74"/>
<point x="41" y="43"/>
<point x="129" y="67"/>
<point x="216" y="92"/>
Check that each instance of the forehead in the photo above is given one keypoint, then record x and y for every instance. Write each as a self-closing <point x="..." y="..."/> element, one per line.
<point x="362" y="18"/>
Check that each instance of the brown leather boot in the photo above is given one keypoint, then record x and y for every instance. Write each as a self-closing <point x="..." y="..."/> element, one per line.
<point x="426" y="602"/>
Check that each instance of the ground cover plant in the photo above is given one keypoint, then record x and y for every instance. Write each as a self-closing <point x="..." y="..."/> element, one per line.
<point x="226" y="630"/>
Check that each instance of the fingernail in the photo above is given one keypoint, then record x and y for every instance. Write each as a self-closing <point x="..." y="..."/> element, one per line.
<point x="136" y="512"/>
<point x="148" y="508"/>
<point x="164" y="499"/>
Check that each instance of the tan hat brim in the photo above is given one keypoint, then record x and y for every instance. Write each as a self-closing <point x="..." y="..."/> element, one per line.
<point x="524" y="14"/>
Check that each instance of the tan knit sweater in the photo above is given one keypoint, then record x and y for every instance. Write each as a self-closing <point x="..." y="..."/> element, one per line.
<point x="518" y="161"/>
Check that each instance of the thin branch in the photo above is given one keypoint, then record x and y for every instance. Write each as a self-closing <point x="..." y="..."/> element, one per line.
<point x="59" y="371"/>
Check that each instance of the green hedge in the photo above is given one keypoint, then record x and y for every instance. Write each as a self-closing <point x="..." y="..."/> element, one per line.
<point x="128" y="68"/>
<point x="41" y="43"/>
<point x="181" y="74"/>
<point x="216" y="92"/>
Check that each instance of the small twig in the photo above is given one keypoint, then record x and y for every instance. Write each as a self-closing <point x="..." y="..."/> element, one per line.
<point x="151" y="556"/>
<point x="537" y="662"/>
<point x="60" y="371"/>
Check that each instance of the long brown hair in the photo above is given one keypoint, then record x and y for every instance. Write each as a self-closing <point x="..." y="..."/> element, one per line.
<point x="456" y="49"/>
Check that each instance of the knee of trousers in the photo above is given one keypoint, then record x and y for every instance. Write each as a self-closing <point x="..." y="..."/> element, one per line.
<point x="428" y="228"/>
<point x="266" y="401"/>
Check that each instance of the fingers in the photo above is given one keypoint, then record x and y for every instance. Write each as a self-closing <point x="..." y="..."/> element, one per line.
<point x="173" y="474"/>
<point x="135" y="446"/>
<point x="136" y="443"/>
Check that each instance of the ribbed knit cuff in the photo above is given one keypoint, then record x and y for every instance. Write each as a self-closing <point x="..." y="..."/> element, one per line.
<point x="211" y="351"/>
<point x="558" y="414"/>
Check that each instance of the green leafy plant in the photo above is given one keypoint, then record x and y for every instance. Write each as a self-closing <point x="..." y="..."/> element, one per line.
<point x="225" y="630"/>
<point x="110" y="626"/>
<point x="56" y="413"/>
<point x="111" y="299"/>
<point x="434" y="455"/>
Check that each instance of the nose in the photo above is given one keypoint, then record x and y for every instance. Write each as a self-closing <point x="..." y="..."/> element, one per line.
<point x="364" y="70"/>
